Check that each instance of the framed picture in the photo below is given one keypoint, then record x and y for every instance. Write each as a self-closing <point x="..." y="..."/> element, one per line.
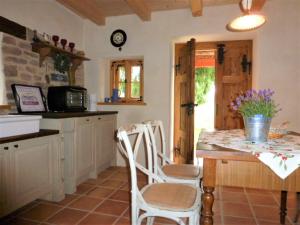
<point x="29" y="98"/>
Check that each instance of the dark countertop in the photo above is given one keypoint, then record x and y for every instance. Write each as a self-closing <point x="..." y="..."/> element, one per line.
<point x="41" y="133"/>
<point x="61" y="115"/>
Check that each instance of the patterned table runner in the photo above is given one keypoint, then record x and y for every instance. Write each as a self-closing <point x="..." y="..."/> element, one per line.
<point x="281" y="155"/>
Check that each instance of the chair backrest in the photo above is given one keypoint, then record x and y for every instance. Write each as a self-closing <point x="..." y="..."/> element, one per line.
<point x="159" y="144"/>
<point x="130" y="140"/>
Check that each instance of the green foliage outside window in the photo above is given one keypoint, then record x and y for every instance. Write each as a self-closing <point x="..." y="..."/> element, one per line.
<point x="204" y="79"/>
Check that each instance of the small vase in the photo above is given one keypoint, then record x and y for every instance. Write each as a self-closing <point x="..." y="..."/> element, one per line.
<point x="257" y="128"/>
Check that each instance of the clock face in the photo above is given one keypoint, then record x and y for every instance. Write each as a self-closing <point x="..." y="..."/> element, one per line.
<point x="118" y="38"/>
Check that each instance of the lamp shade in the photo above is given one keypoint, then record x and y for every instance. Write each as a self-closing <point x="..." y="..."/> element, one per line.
<point x="246" y="22"/>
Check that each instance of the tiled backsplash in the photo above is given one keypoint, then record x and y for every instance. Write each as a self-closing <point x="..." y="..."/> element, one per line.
<point x="21" y="66"/>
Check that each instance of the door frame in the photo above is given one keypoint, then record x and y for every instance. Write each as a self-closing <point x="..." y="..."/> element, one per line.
<point x="208" y="43"/>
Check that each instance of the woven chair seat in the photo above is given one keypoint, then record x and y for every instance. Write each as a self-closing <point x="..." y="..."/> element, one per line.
<point x="170" y="196"/>
<point x="182" y="171"/>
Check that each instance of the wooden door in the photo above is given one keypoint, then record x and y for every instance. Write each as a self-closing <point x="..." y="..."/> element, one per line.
<point x="233" y="75"/>
<point x="184" y="102"/>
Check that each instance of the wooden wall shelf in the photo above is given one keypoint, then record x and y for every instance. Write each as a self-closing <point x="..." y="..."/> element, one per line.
<point x="45" y="50"/>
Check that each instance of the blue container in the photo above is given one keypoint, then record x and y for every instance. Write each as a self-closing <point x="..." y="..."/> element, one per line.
<point x="257" y="128"/>
<point x="115" y="95"/>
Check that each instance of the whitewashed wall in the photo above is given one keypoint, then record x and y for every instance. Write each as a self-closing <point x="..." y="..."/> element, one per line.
<point x="276" y="53"/>
<point x="45" y="16"/>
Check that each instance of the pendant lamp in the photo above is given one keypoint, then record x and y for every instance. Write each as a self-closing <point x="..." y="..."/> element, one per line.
<point x="248" y="21"/>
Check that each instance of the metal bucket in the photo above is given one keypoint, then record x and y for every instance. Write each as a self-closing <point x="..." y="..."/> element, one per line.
<point x="257" y="128"/>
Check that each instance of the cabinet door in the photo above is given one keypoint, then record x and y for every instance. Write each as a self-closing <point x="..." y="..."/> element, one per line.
<point x="105" y="144"/>
<point x="4" y="179"/>
<point x="84" y="147"/>
<point x="32" y="169"/>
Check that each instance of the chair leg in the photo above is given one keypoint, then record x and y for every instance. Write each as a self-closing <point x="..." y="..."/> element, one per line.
<point x="298" y="208"/>
<point x="192" y="220"/>
<point x="150" y="220"/>
<point x="134" y="215"/>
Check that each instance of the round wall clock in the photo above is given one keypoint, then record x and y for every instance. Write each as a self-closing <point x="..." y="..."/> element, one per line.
<point x="118" y="38"/>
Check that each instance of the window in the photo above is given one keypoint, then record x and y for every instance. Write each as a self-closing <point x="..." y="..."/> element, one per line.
<point x="127" y="77"/>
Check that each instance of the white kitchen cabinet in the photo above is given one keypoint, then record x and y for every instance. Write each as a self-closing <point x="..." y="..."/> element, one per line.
<point x="32" y="166"/>
<point x="84" y="148"/>
<point x="105" y="127"/>
<point x="4" y="179"/>
<point x="30" y="169"/>
<point x="88" y="145"/>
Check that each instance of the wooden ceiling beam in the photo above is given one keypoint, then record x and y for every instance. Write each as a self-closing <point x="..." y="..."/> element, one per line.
<point x="140" y="8"/>
<point x="86" y="8"/>
<point x="196" y="7"/>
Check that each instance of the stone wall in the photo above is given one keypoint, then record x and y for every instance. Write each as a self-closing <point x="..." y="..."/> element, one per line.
<point x="21" y="66"/>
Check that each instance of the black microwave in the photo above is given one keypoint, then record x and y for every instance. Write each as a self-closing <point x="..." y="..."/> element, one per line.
<point x="67" y="98"/>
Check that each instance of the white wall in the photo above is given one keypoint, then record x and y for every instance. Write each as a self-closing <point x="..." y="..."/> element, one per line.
<point x="276" y="52"/>
<point x="45" y="16"/>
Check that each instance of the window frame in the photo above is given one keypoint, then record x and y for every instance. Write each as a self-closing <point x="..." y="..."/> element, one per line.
<point x="114" y="81"/>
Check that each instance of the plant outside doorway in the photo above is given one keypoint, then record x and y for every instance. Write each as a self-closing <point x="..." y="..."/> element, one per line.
<point x="204" y="115"/>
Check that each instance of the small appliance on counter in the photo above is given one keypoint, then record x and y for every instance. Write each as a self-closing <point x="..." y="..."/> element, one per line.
<point x="67" y="99"/>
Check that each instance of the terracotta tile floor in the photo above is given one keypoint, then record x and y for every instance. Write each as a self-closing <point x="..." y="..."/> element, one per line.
<point x="105" y="200"/>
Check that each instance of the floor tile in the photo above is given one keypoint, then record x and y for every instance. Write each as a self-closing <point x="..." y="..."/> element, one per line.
<point x="256" y="199"/>
<point x="41" y="212"/>
<point x="123" y="221"/>
<point x="120" y="176"/>
<point x="19" y="221"/>
<point x="112" y="207"/>
<point x="67" y="200"/>
<point x="84" y="188"/>
<point x="85" y="203"/>
<point x="258" y="191"/>
<point x="121" y="196"/>
<point x="234" y="197"/>
<point x="266" y="222"/>
<point x="111" y="183"/>
<point x="100" y="192"/>
<point x="67" y="217"/>
<point x="230" y="220"/>
<point x="266" y="213"/>
<point x="98" y="219"/>
<point x="236" y="209"/>
<point x="231" y="189"/>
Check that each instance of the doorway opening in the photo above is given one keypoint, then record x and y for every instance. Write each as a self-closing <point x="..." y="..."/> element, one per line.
<point x="204" y="112"/>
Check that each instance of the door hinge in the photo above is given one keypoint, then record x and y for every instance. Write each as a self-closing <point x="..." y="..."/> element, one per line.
<point x="246" y="65"/>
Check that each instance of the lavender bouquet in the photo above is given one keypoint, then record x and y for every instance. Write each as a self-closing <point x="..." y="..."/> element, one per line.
<point x="254" y="102"/>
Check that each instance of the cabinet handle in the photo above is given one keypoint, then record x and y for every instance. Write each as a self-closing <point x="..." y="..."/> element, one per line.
<point x="16" y="146"/>
<point x="6" y="148"/>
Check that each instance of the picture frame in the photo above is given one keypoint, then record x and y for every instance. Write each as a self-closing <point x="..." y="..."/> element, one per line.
<point x="29" y="99"/>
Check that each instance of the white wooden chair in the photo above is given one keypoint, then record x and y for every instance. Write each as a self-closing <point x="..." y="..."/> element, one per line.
<point x="163" y="166"/>
<point x="157" y="198"/>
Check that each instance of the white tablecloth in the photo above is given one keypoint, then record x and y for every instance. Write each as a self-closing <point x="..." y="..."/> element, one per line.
<point x="281" y="155"/>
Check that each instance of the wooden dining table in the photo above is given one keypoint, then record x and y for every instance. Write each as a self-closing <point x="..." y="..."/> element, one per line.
<point x="228" y="167"/>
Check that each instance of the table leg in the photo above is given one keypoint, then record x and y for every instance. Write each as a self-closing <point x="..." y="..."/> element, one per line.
<point x="283" y="198"/>
<point x="207" y="204"/>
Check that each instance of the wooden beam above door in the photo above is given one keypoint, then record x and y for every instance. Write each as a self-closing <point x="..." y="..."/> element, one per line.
<point x="140" y="8"/>
<point x="86" y="8"/>
<point x="196" y="7"/>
